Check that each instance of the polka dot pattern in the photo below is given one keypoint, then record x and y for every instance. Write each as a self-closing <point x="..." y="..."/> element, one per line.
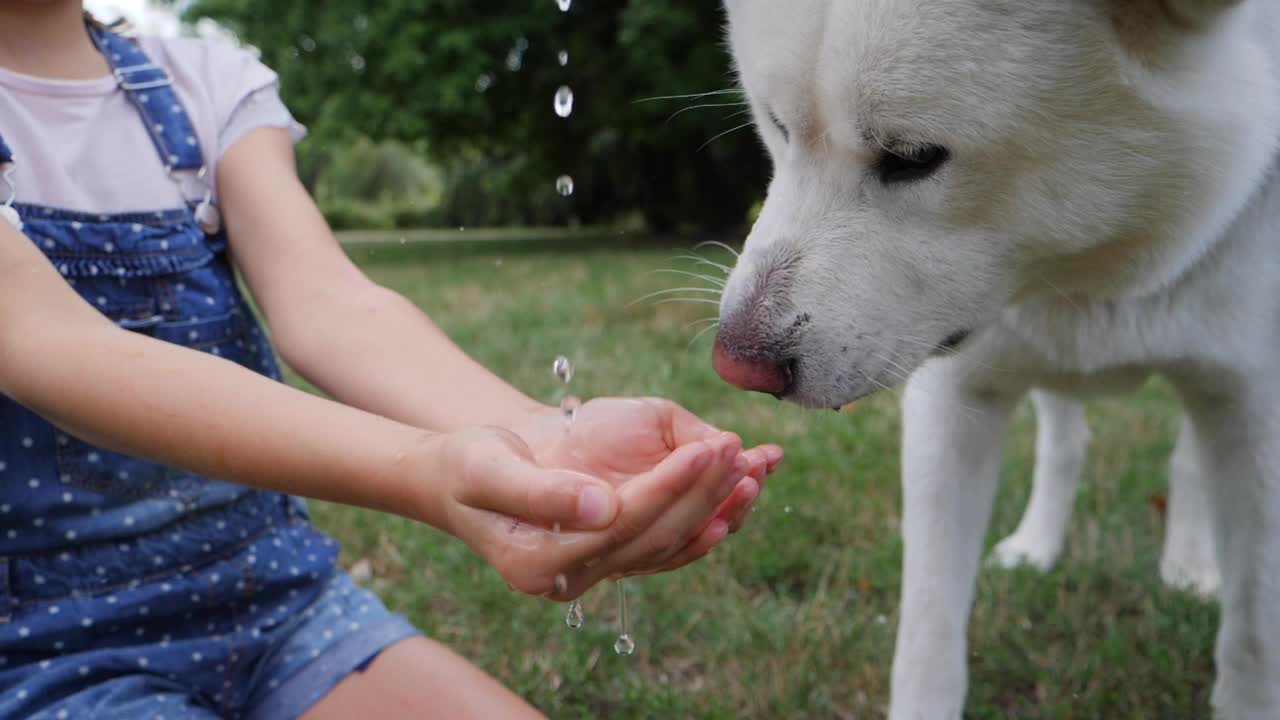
<point x="132" y="590"/>
<point x="267" y="644"/>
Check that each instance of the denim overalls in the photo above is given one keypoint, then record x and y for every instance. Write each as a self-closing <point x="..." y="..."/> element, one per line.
<point x="129" y="589"/>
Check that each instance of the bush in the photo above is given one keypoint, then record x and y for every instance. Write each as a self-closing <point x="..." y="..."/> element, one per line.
<point x="407" y="217"/>
<point x="355" y="215"/>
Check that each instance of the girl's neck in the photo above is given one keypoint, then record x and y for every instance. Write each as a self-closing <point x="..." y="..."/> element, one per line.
<point x="47" y="38"/>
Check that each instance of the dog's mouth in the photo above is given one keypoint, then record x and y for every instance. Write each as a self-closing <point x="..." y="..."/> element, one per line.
<point x="952" y="342"/>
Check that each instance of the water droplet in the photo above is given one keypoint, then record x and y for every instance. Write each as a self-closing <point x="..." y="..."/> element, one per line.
<point x="484" y="82"/>
<point x="562" y="368"/>
<point x="357" y="62"/>
<point x="308" y="43"/>
<point x="573" y="618"/>
<point x="569" y="405"/>
<point x="787" y="509"/>
<point x="402" y="240"/>
<point x="360" y="23"/>
<point x="564" y="101"/>
<point x="564" y="185"/>
<point x="564" y="5"/>
<point x="624" y="645"/>
<point x="515" y="60"/>
<point x="563" y="57"/>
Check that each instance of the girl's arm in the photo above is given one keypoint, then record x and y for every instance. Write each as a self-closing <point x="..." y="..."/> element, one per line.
<point x="359" y="342"/>
<point x="141" y="396"/>
<point x="125" y="391"/>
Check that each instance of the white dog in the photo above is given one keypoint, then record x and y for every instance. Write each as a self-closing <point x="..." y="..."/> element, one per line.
<point x="999" y="195"/>
<point x="1062" y="440"/>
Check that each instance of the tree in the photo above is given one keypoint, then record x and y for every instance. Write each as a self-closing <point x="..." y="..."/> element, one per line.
<point x="476" y="80"/>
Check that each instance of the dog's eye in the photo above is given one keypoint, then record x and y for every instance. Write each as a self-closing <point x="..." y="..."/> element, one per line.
<point x="904" y="166"/>
<point x="786" y="136"/>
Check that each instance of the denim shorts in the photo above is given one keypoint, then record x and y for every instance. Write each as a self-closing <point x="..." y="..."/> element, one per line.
<point x="237" y="612"/>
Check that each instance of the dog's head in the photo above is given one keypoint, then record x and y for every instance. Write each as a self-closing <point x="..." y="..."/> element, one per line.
<point x="937" y="160"/>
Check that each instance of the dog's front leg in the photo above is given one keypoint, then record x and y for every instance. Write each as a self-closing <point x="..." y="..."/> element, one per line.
<point x="1237" y="438"/>
<point x="953" y="433"/>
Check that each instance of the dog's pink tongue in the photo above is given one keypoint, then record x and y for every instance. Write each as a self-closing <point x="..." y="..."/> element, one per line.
<point x="758" y="375"/>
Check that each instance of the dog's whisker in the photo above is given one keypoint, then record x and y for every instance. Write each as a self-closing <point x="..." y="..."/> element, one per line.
<point x="688" y="300"/>
<point x="717" y="243"/>
<point x="699" y="321"/>
<point x="704" y="145"/>
<point x="683" y="110"/>
<point x="670" y="291"/>
<point x="701" y="332"/>
<point x="726" y="91"/>
<point x="718" y="282"/>
<point x="704" y="261"/>
<point x="1070" y="300"/>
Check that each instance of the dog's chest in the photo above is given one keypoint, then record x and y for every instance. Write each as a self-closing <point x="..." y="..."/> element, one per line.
<point x="1086" y="347"/>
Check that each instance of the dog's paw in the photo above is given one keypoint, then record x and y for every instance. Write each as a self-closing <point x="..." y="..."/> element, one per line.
<point x="1194" y="574"/>
<point x="1022" y="549"/>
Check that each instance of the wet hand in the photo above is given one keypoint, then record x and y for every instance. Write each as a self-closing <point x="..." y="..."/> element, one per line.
<point x="636" y="486"/>
<point x="619" y="438"/>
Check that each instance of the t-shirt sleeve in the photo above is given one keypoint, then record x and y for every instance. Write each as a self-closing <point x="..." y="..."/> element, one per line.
<point x="260" y="108"/>
<point x="237" y="92"/>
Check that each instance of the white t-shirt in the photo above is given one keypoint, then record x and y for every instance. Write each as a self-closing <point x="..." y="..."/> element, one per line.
<point x="81" y="145"/>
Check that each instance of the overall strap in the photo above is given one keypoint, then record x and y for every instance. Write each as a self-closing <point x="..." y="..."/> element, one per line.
<point x="150" y="89"/>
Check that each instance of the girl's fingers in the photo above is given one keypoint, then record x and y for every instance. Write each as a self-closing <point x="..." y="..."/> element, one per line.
<point x="695" y="550"/>
<point x="501" y="477"/>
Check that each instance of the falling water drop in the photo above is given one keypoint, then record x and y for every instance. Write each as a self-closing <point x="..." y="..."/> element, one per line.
<point x="624" y="645"/>
<point x="564" y="5"/>
<point x="573" y="618"/>
<point x="564" y="101"/>
<point x="563" y="57"/>
<point x="564" y="185"/>
<point x="515" y="60"/>
<point x="563" y="369"/>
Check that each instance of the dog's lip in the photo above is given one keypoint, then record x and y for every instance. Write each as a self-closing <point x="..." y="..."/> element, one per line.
<point x="953" y="341"/>
<point x="788" y="369"/>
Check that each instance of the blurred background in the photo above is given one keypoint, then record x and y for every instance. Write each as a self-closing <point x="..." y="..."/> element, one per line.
<point x="439" y="113"/>
<point x="435" y="150"/>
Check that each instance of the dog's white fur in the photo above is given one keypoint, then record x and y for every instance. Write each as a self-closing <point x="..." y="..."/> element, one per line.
<point x="1108" y="212"/>
<point x="1188" y="561"/>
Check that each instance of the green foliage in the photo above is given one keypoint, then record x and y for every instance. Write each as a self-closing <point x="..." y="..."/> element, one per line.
<point x="380" y="173"/>
<point x="476" y="80"/>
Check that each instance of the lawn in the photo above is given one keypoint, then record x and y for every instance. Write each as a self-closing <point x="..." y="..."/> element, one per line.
<point x="794" y="617"/>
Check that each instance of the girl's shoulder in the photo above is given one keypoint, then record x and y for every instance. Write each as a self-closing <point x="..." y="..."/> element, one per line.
<point x="216" y="78"/>
<point x="209" y="68"/>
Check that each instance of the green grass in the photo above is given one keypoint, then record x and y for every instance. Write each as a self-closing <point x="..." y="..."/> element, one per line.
<point x="794" y="617"/>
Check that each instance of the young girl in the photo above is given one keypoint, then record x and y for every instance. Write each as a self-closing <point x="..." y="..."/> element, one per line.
<point x="137" y="175"/>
